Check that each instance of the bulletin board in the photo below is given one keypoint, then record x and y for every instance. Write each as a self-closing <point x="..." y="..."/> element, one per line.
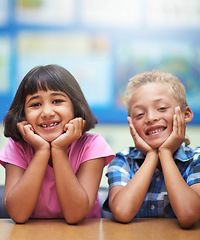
<point x="102" y="43"/>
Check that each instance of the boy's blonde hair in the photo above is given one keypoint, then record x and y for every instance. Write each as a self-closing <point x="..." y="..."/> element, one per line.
<point x="156" y="76"/>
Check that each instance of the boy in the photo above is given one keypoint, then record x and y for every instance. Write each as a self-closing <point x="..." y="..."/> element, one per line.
<point x="160" y="176"/>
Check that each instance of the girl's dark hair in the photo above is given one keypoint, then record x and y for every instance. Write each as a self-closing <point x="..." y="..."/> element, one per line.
<point x="52" y="77"/>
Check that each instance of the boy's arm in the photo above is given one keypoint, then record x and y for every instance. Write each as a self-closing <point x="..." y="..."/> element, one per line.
<point x="126" y="201"/>
<point x="184" y="200"/>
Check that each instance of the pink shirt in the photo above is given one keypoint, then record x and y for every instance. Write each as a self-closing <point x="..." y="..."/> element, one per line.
<point x="88" y="146"/>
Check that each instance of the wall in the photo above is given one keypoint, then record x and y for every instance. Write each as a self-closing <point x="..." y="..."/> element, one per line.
<point x="118" y="137"/>
<point x="102" y="47"/>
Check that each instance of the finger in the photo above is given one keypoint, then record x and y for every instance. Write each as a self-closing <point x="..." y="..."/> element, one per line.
<point x="132" y="128"/>
<point x="20" y="126"/>
<point x="78" y="126"/>
<point x="180" y="121"/>
<point x="28" y="129"/>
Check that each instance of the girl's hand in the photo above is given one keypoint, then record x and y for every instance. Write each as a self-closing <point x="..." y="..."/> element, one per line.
<point x="72" y="131"/>
<point x="140" y="144"/>
<point x="177" y="136"/>
<point x="27" y="132"/>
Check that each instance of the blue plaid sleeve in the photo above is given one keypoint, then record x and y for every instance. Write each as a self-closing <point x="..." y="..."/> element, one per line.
<point x="119" y="172"/>
<point x="194" y="172"/>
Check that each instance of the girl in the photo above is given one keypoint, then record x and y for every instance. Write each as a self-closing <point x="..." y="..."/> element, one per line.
<point x="53" y="167"/>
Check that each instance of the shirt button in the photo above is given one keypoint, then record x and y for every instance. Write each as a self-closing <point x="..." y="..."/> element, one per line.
<point x="152" y="207"/>
<point x="157" y="179"/>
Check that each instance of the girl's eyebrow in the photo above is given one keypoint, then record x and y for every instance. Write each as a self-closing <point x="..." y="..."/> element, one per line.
<point x="52" y="94"/>
<point x="59" y="94"/>
<point x="32" y="98"/>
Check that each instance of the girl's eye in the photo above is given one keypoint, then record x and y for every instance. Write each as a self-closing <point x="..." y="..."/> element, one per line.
<point x="35" y="105"/>
<point x="58" y="101"/>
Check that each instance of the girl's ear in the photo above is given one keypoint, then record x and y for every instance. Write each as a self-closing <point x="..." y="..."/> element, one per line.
<point x="188" y="114"/>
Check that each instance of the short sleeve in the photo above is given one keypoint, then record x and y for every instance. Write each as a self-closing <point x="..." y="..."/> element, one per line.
<point x="119" y="172"/>
<point x="89" y="146"/>
<point x="194" y="170"/>
<point x="97" y="147"/>
<point x="16" y="153"/>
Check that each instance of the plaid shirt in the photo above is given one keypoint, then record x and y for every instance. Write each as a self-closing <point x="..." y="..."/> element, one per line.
<point x="156" y="203"/>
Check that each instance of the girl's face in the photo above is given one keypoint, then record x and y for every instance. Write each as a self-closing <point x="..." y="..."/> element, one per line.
<point x="48" y="112"/>
<point x="152" y="110"/>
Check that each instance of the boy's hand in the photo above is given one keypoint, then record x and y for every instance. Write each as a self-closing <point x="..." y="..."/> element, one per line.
<point x="72" y="131"/>
<point x="140" y="144"/>
<point x="177" y="136"/>
<point x="28" y="134"/>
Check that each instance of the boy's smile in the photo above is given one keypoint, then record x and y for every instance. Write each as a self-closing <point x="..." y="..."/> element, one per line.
<point x="154" y="130"/>
<point x="48" y="112"/>
<point x="152" y="110"/>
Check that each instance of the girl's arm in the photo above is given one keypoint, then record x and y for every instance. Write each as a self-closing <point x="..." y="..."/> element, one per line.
<point x="125" y="201"/>
<point x="184" y="200"/>
<point x="76" y="193"/>
<point x="22" y="187"/>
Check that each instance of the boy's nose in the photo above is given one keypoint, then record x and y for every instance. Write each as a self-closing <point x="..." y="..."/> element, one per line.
<point x="151" y="117"/>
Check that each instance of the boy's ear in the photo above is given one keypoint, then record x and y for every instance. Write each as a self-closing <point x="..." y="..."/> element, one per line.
<point x="188" y="114"/>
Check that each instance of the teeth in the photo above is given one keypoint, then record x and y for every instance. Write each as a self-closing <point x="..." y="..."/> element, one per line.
<point x="155" y="131"/>
<point x="51" y="125"/>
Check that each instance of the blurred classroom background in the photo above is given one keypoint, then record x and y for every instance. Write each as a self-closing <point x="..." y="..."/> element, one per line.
<point x="102" y="43"/>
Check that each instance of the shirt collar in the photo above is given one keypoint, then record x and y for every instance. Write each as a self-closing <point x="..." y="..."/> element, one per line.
<point x="183" y="154"/>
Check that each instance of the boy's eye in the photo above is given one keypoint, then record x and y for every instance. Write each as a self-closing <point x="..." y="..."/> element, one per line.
<point x="139" y="115"/>
<point x="163" y="108"/>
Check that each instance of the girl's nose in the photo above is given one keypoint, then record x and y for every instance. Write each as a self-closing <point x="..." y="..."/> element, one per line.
<point x="47" y="111"/>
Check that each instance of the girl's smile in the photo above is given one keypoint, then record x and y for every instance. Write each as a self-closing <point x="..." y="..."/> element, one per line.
<point x="49" y="125"/>
<point x="48" y="112"/>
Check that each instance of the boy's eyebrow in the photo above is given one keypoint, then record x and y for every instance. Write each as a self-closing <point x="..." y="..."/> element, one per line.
<point x="155" y="101"/>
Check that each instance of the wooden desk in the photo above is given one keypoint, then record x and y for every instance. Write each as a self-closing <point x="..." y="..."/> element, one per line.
<point x="94" y="229"/>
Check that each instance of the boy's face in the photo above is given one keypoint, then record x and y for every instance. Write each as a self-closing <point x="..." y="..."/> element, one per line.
<point x="152" y="108"/>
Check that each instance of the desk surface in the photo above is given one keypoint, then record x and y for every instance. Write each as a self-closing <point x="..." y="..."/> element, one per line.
<point x="101" y="229"/>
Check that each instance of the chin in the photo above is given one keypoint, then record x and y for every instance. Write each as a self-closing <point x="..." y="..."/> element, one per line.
<point x="50" y="139"/>
<point x="156" y="145"/>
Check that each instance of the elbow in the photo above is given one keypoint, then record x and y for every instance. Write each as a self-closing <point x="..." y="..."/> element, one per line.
<point x="185" y="224"/>
<point x="16" y="217"/>
<point x="122" y="215"/>
<point x="187" y="219"/>
<point x="73" y="220"/>
<point x="19" y="219"/>
<point x="74" y="217"/>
